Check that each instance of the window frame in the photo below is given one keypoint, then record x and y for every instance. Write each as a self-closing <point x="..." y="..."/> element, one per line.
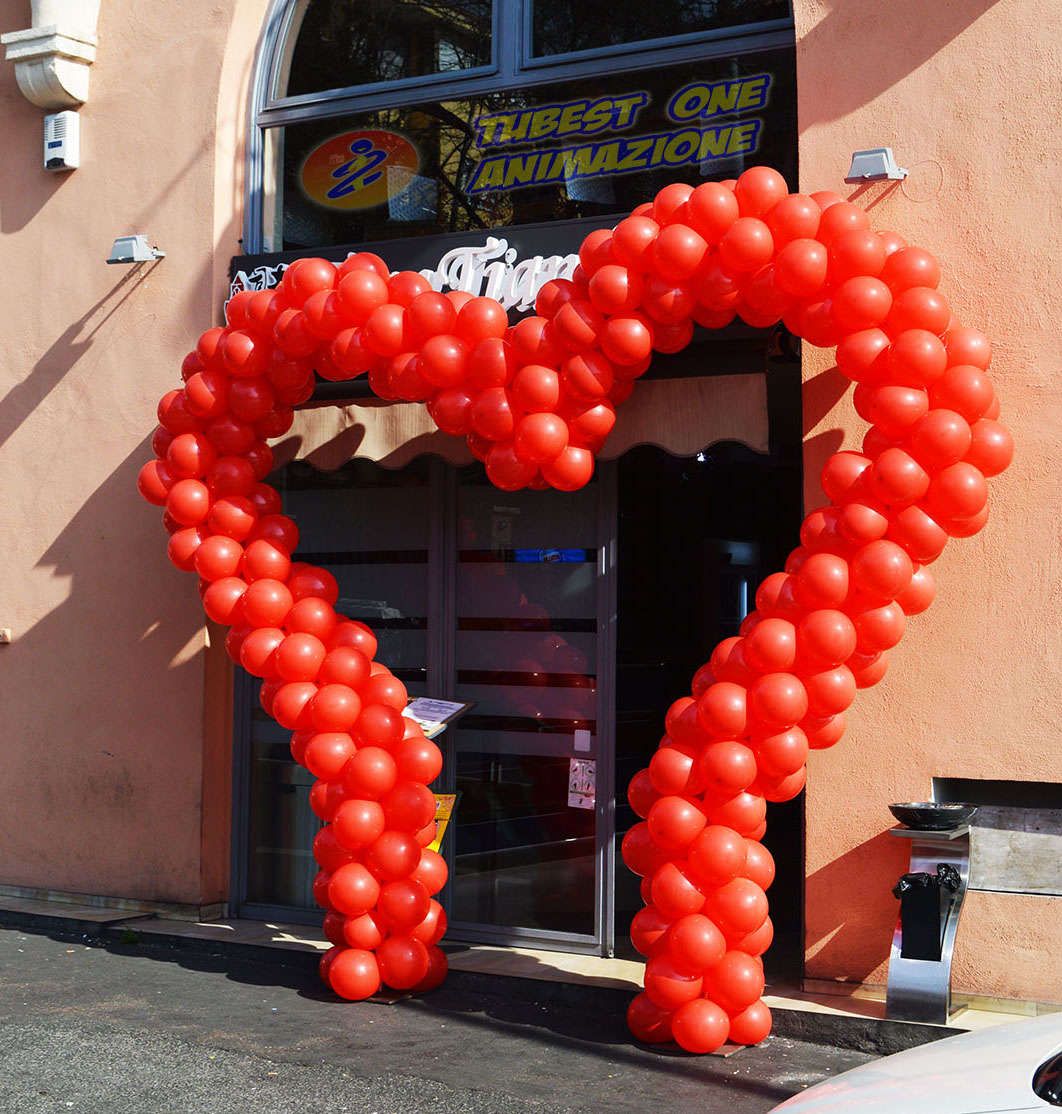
<point x="512" y="65"/>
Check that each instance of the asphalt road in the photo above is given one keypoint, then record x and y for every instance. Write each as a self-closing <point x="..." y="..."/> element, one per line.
<point x="94" y="1028"/>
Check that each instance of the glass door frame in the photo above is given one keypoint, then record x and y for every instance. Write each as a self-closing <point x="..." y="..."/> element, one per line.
<point x="441" y="649"/>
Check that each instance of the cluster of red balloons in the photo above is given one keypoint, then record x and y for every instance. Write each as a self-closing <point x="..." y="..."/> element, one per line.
<point x="536" y="401"/>
<point x="823" y="628"/>
<point x="378" y="876"/>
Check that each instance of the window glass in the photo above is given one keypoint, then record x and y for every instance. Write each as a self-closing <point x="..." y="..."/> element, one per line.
<point x="590" y="147"/>
<point x="526" y="598"/>
<point x="360" y="42"/>
<point x="560" y="26"/>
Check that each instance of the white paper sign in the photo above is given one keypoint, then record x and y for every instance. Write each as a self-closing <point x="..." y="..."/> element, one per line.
<point x="582" y="739"/>
<point x="582" y="782"/>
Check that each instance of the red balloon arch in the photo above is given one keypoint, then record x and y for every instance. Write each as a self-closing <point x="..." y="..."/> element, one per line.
<point x="536" y="401"/>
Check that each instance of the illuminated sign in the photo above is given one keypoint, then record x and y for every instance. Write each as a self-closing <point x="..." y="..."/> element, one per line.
<point x="359" y="169"/>
<point x="628" y="154"/>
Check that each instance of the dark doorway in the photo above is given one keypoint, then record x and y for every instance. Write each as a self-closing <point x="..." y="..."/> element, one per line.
<point x="696" y="536"/>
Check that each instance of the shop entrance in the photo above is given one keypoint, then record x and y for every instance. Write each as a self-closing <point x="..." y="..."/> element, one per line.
<point x="569" y="622"/>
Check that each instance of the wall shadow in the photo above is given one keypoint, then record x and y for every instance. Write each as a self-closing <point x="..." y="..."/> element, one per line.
<point x="850" y="912"/>
<point x="105" y="738"/>
<point x="928" y="28"/>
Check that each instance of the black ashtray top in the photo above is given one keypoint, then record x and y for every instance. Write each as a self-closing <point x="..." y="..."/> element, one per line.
<point x="933" y="816"/>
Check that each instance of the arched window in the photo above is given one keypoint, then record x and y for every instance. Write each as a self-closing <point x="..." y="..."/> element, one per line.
<point x="386" y="119"/>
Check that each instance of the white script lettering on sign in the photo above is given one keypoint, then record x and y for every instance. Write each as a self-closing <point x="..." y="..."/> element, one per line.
<point x="491" y="270"/>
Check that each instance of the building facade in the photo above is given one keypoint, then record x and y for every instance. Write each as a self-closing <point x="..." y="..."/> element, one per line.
<point x="137" y="767"/>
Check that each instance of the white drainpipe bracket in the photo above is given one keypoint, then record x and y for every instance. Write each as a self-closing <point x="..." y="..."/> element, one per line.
<point x="52" y="61"/>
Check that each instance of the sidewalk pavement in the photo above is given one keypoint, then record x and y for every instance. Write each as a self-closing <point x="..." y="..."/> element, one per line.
<point x="848" y="1017"/>
<point x="102" y="1025"/>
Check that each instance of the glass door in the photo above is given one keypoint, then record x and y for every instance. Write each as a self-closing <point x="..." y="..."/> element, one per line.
<point x="528" y="759"/>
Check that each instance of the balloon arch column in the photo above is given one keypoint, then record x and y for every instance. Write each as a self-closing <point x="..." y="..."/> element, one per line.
<point x="536" y="402"/>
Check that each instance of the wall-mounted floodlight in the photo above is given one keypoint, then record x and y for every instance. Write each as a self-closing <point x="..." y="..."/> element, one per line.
<point x="874" y="165"/>
<point x="133" y="249"/>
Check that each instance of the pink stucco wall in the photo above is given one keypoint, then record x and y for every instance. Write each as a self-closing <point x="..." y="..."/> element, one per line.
<point x="964" y="91"/>
<point x="102" y="688"/>
<point x="114" y="732"/>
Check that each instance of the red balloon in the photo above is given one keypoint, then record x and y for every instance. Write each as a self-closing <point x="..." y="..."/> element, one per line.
<point x="540" y="437"/>
<point x="717" y="855"/>
<point x="771" y="646"/>
<point x="882" y="569"/>
<point x="367" y="931"/>
<point x="700" y="1026"/>
<point x="759" y="864"/>
<point x="823" y="731"/>
<point x="409" y="805"/>
<point x="379" y="725"/>
<point x="649" y="931"/>
<point x="897" y="478"/>
<point x="910" y="267"/>
<point x="632" y="242"/>
<point x="431" y="872"/>
<point x="571" y="470"/>
<point x="673" y="769"/>
<point x="354" y="974"/>
<point x="727" y="767"/>
<point x="438" y="965"/>
<point x="384" y="688"/>
<point x="782" y="753"/>
<point x="735" y="982"/>
<point x="752" y="1025"/>
<point x="291" y="705"/>
<point x="777" y="701"/>
<point x="328" y="852"/>
<point x="940" y="438"/>
<point x="417" y="759"/>
<point x="919" y="535"/>
<point x="403" y="961"/>
<point x="744" y="812"/>
<point x="823" y="581"/>
<point x="856" y="252"/>
<point x="299" y="657"/>
<point x="919" y="307"/>
<point x="677" y="253"/>
<point x="404" y="903"/>
<point x="721" y="710"/>
<point x="326" y="753"/>
<point x="647" y="1021"/>
<point x="393" y="855"/>
<point x="738" y="907"/>
<point x="667" y="986"/>
<point x="353" y="890"/>
<point x="958" y="491"/>
<point x="695" y="943"/>
<point x="793" y="218"/>
<point x="371" y="773"/>
<point x="626" y="340"/>
<point x="756" y="943"/>
<point x="358" y="823"/>
<point x="506" y="469"/>
<point x="675" y="821"/>
<point x="640" y="852"/>
<point x="712" y="210"/>
<point x="675" y="892"/>
<point x="746" y="246"/>
<point x="878" y="627"/>
<point x="431" y="928"/>
<point x="758" y="190"/>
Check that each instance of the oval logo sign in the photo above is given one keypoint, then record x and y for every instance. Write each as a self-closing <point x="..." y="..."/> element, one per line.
<point x="359" y="169"/>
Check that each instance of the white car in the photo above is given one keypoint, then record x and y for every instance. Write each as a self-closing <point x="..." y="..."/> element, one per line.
<point x="1014" y="1068"/>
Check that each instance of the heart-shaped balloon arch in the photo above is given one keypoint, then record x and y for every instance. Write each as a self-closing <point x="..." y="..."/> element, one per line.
<point x="536" y="401"/>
